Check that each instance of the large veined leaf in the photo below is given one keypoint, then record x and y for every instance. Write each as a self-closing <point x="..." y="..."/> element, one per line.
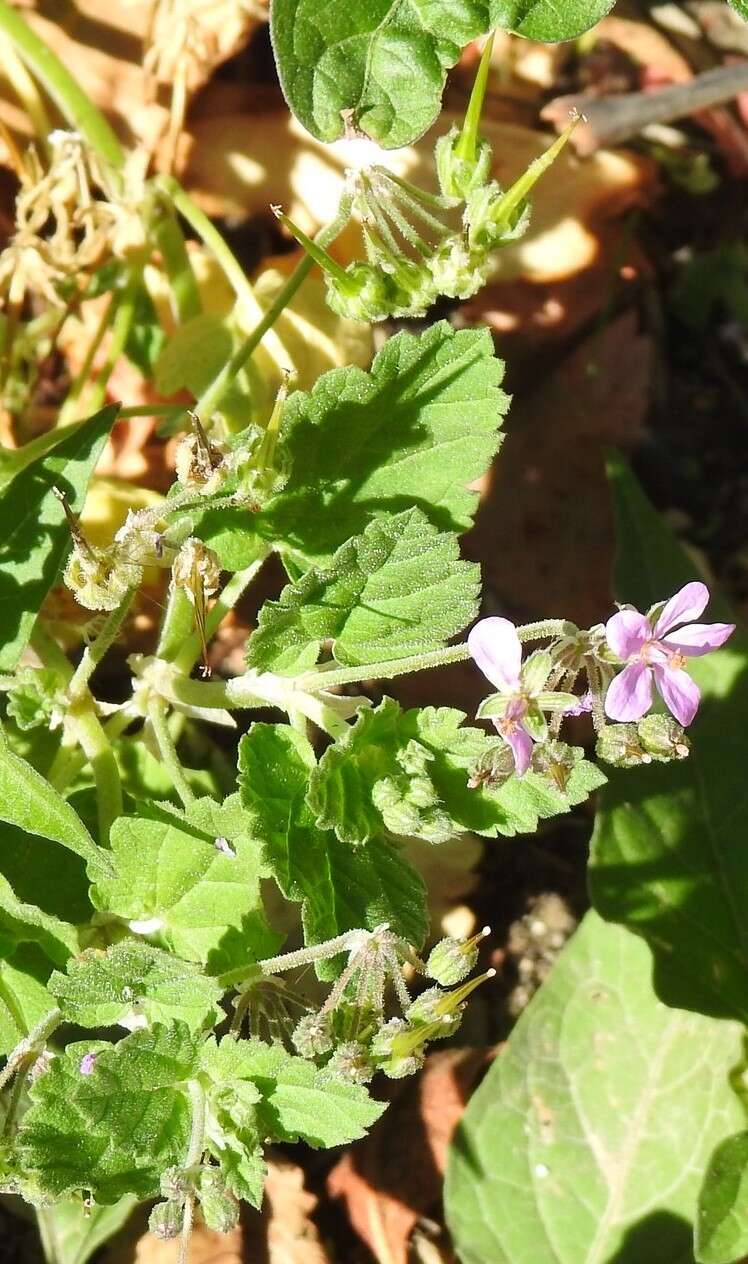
<point x="381" y="64"/>
<point x="30" y="803"/>
<point x="34" y="535"/>
<point x="722" y="1225"/>
<point x="415" y="430"/>
<point x="586" y="1141"/>
<point x="24" y="999"/>
<point x="398" y="589"/>
<point x="75" y="1230"/>
<point x="669" y="855"/>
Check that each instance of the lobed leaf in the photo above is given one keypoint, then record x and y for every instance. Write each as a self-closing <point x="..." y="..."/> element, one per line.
<point x="668" y="855"/>
<point x="398" y="589"/>
<point x="34" y="535"/>
<point x="380" y="65"/>
<point x="577" y="1147"/>
<point x="132" y="982"/>
<point x="406" y="772"/>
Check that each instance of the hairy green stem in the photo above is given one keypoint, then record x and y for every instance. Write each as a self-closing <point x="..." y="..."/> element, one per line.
<point x="177" y="266"/>
<point x="62" y="87"/>
<point x="97" y="748"/>
<point x="192" y="1160"/>
<point x="93" y="653"/>
<point x="313" y="682"/>
<point x="157" y="715"/>
<point x="34" y="1041"/>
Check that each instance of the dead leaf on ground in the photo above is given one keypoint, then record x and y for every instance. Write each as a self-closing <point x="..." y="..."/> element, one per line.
<point x="544" y="530"/>
<point x="394" y="1178"/>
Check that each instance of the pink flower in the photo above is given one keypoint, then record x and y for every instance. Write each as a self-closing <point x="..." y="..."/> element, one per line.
<point x="658" y="650"/>
<point x="496" y="648"/>
<point x="88" y="1062"/>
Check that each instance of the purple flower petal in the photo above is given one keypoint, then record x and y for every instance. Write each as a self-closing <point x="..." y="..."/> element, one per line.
<point x="679" y="692"/>
<point x="87" y="1064"/>
<point x="582" y="706"/>
<point x="626" y="633"/>
<point x="495" y="647"/>
<point x="630" y="694"/>
<point x="521" y="743"/>
<point x="698" y="638"/>
<point x="687" y="604"/>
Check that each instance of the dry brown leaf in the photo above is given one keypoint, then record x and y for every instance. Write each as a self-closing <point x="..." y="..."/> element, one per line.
<point x="103" y="46"/>
<point x="394" y="1178"/>
<point x="544" y="531"/>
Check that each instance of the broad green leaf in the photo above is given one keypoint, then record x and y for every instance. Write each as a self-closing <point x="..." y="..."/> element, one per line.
<point x="132" y="982"/>
<point x="398" y="589"/>
<point x="295" y="1100"/>
<point x="340" y="888"/>
<point x="34" y="536"/>
<point x="27" y="923"/>
<point x="407" y="772"/>
<point x="587" y="1139"/>
<point x="174" y="879"/>
<point x="114" y="1128"/>
<point x="668" y="856"/>
<point x="29" y="802"/>
<point x="382" y="63"/>
<point x="414" y="431"/>
<point x="722" y="1224"/>
<point x="77" y="1230"/>
<point x="24" y="999"/>
<point x="57" y="887"/>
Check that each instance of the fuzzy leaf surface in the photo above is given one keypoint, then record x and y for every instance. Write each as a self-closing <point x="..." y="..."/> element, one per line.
<point x="407" y="772"/>
<point x="382" y="63"/>
<point x="100" y="989"/>
<point x="668" y="855"/>
<point x="34" y="536"/>
<point x="112" y="1131"/>
<point x="30" y="803"/>
<point x="24" y="999"/>
<point x="721" y="1228"/>
<point x="414" y="431"/>
<point x="171" y="871"/>
<point x="576" y="1146"/>
<point x="398" y="589"/>
<point x="339" y="887"/>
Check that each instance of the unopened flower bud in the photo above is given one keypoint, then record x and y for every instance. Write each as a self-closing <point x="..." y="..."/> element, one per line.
<point x="219" y="1206"/>
<point x="312" y="1036"/>
<point x="620" y="745"/>
<point x="663" y="738"/>
<point x="452" y="960"/>
<point x="459" y="176"/>
<point x="165" y="1220"/>
<point x="351" y="1062"/>
<point x="426" y="1008"/>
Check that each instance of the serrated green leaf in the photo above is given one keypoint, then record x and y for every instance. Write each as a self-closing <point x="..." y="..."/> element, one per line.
<point x="114" y="1129"/>
<point x="414" y="431"/>
<point x="172" y="874"/>
<point x="668" y="855"/>
<point x="34" y="536"/>
<point x="382" y="63"/>
<point x="294" y="1099"/>
<point x="29" y="802"/>
<point x="407" y="772"/>
<point x="24" y="999"/>
<point x="577" y="1146"/>
<point x="722" y="1225"/>
<point x="132" y="980"/>
<point x="338" y="887"/>
<point x="398" y="589"/>
<point x="78" y="1229"/>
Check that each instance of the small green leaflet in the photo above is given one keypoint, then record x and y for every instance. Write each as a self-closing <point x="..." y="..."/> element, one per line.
<point x="294" y="1099"/>
<point x="28" y="801"/>
<point x="414" y="431"/>
<point x="382" y="63"/>
<point x="340" y="888"/>
<point x="722" y="1224"/>
<point x="398" y="589"/>
<point x="133" y="982"/>
<point x="116" y="1128"/>
<point x="668" y="855"/>
<point x="173" y="875"/>
<point x="406" y="772"/>
<point x="577" y="1147"/>
<point x="34" y="536"/>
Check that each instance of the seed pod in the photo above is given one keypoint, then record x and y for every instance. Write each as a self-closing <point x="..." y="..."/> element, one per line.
<point x="459" y="176"/>
<point x="197" y="461"/>
<point x="621" y="746"/>
<point x="197" y="570"/>
<point x="351" y="1062"/>
<point x="663" y="738"/>
<point x="451" y="960"/>
<point x="312" y="1036"/>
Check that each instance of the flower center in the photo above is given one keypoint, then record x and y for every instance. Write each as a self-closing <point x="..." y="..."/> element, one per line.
<point x="676" y="662"/>
<point x="516" y="710"/>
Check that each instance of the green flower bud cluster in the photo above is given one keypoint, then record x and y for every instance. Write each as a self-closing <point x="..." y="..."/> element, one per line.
<point x="37" y="697"/>
<point x="655" y="738"/>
